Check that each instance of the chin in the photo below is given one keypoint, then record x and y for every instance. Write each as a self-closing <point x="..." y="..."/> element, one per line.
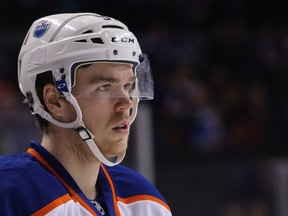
<point x="116" y="149"/>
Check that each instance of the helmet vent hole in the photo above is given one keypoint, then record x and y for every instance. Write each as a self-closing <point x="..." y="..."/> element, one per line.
<point x="112" y="26"/>
<point x="97" y="40"/>
<point x="81" y="41"/>
<point x="88" y="31"/>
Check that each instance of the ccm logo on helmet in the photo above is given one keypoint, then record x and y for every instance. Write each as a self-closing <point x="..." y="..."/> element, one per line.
<point x="123" y="39"/>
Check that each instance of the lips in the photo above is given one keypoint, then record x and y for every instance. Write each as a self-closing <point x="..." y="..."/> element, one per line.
<point x="122" y="126"/>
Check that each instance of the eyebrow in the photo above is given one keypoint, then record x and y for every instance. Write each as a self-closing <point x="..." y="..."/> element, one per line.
<point x="99" y="79"/>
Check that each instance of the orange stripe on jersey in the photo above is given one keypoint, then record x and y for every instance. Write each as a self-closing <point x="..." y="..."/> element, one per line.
<point x="75" y="196"/>
<point x="117" y="212"/>
<point x="53" y="205"/>
<point x="141" y="198"/>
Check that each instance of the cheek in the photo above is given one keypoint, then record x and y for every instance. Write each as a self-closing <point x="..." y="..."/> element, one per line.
<point x="94" y="110"/>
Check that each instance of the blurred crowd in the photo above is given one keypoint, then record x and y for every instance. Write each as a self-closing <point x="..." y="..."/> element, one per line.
<point x="221" y="78"/>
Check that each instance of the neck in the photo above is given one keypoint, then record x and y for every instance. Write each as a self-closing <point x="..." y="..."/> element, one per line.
<point x="74" y="154"/>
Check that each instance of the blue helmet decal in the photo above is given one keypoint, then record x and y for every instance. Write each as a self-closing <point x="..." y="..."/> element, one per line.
<point x="41" y="28"/>
<point x="61" y="85"/>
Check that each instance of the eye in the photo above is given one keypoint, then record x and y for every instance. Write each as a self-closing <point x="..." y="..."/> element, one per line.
<point x="104" y="88"/>
<point x="129" y="86"/>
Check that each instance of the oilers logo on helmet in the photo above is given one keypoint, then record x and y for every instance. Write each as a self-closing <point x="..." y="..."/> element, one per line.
<point x="41" y="28"/>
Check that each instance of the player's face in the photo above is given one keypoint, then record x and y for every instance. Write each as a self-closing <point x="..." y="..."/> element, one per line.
<point x="102" y="91"/>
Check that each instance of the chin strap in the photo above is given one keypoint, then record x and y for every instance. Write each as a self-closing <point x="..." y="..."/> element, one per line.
<point x="87" y="136"/>
<point x="44" y="114"/>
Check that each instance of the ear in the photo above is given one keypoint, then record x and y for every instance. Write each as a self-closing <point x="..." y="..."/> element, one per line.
<point x="53" y="102"/>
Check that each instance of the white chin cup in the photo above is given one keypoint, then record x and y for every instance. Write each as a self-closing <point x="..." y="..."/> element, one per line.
<point x="87" y="136"/>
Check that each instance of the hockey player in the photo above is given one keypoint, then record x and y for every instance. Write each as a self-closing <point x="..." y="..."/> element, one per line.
<point x="82" y="75"/>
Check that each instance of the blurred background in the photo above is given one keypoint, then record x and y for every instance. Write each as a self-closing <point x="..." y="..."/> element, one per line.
<point x="220" y="114"/>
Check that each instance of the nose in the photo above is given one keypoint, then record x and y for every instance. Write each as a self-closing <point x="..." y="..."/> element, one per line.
<point x="123" y="104"/>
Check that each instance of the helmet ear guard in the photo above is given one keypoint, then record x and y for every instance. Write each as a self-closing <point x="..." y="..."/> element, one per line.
<point x="57" y="43"/>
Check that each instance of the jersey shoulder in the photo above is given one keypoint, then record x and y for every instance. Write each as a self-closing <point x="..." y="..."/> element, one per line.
<point x="15" y="166"/>
<point x="129" y="182"/>
<point x="24" y="172"/>
<point x="22" y="179"/>
<point x="136" y="195"/>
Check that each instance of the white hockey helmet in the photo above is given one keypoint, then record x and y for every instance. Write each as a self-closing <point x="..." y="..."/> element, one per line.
<point x="61" y="42"/>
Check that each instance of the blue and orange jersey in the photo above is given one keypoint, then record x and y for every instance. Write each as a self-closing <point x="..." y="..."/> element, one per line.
<point x="35" y="183"/>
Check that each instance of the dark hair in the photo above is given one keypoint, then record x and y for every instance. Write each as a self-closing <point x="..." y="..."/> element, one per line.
<point x="42" y="80"/>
